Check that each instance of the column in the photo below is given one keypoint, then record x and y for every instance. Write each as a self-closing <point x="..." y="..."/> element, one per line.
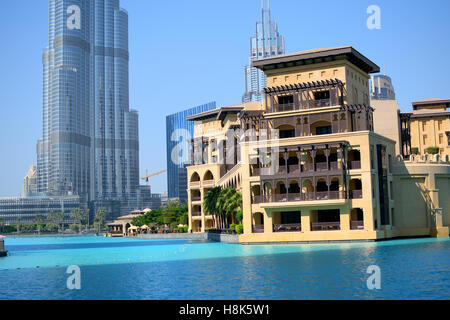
<point x="306" y="220"/>
<point x="202" y="194"/>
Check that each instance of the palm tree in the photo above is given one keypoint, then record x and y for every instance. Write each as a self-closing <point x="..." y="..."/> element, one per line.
<point x="233" y="204"/>
<point x="210" y="203"/>
<point x="78" y="215"/>
<point x="100" y="217"/>
<point x="56" y="218"/>
<point x="38" y="220"/>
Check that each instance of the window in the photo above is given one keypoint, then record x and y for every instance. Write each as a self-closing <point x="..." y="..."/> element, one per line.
<point x="285" y="99"/>
<point x="286" y="78"/>
<point x="322" y="74"/>
<point x="441" y="138"/>
<point x="424" y="125"/>
<point x="424" y="139"/>
<point x="311" y="75"/>
<point x="440" y="125"/>
<point x="323" y="130"/>
<point x="321" y="95"/>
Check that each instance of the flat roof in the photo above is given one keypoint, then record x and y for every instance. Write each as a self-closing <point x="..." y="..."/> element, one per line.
<point x="431" y="101"/>
<point x="218" y="113"/>
<point x="314" y="56"/>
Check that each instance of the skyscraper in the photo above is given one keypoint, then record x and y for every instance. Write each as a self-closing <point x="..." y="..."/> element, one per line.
<point x="178" y="130"/>
<point x="90" y="144"/>
<point x="382" y="88"/>
<point x="266" y="43"/>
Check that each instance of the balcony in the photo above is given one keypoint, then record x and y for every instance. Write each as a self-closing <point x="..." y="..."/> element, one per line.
<point x="294" y="197"/>
<point x="195" y="199"/>
<point x="291" y="227"/>
<point x="196" y="214"/>
<point x="259" y="228"/>
<point x="357" y="225"/>
<point x="194" y="184"/>
<point x="322" y="103"/>
<point x="208" y="183"/>
<point x="325" y="226"/>
<point x="284" y="107"/>
<point x="354" y="165"/>
<point x="355" y="194"/>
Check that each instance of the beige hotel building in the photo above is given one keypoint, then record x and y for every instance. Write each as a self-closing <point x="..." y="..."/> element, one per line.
<point x="310" y="164"/>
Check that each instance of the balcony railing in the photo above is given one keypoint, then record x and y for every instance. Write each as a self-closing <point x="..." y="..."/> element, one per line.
<point x="357" y="225"/>
<point x="325" y="226"/>
<point x="256" y="172"/>
<point x="195" y="184"/>
<point x="294" y="168"/>
<point x="259" y="228"/>
<point x="319" y="103"/>
<point x="194" y="199"/>
<point x="208" y="183"/>
<point x="283" y="107"/>
<point x="290" y="227"/>
<point x="355" y="194"/>
<point x="294" y="197"/>
<point x="354" y="165"/>
<point x="196" y="214"/>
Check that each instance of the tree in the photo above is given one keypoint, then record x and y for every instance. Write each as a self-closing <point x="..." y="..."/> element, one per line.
<point x="210" y="203"/>
<point x="79" y="215"/>
<point x="56" y="218"/>
<point x="1" y="224"/>
<point x="18" y="224"/>
<point x="172" y="203"/>
<point x="39" y="221"/>
<point x="100" y="217"/>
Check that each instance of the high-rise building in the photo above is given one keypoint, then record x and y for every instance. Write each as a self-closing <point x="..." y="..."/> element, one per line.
<point x="29" y="181"/>
<point x="178" y="131"/>
<point x="90" y="144"/>
<point x="382" y="88"/>
<point x="266" y="43"/>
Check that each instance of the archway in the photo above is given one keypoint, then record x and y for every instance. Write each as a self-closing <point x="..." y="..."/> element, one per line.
<point x="355" y="188"/>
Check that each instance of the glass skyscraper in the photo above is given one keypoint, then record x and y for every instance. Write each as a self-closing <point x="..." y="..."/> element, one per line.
<point x="90" y="143"/>
<point x="382" y="88"/>
<point x="266" y="43"/>
<point x="178" y="130"/>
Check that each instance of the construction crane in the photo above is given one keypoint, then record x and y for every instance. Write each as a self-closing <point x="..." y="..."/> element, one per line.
<point x="147" y="176"/>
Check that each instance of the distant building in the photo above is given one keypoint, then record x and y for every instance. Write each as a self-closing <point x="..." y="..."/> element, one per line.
<point x="428" y="125"/>
<point x="382" y="88"/>
<point x="30" y="181"/>
<point x="266" y="42"/>
<point x="386" y="118"/>
<point x="178" y="130"/>
<point x="25" y="209"/>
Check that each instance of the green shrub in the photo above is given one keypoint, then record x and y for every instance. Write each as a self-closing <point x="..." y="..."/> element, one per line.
<point x="415" y="151"/>
<point x="239" y="229"/>
<point x="76" y="227"/>
<point x="9" y="229"/>
<point x="239" y="216"/>
<point x="232" y="227"/>
<point x="432" y="150"/>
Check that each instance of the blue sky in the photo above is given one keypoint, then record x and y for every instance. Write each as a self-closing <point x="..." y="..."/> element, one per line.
<point x="187" y="53"/>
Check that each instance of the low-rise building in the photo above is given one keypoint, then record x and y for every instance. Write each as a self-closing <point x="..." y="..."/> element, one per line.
<point x="308" y="162"/>
<point x="428" y="125"/>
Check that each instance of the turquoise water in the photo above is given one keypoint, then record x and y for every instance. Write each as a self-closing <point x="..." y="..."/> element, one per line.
<point x="118" y="268"/>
